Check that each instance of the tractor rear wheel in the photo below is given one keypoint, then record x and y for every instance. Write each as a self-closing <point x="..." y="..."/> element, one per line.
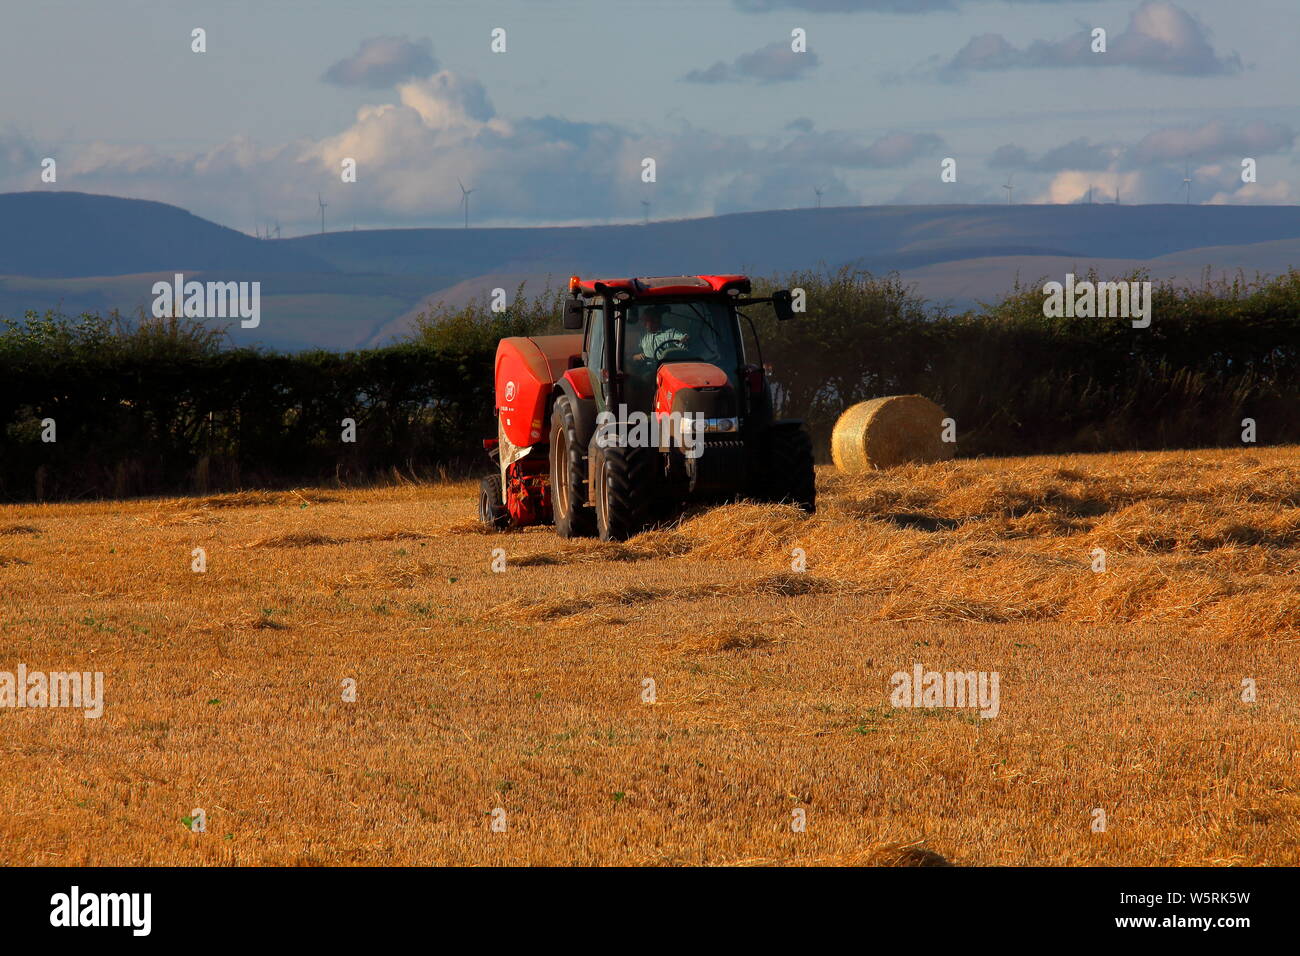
<point x="573" y="518"/>
<point x="788" y="474"/>
<point x="491" y="509"/>
<point x="624" y="489"/>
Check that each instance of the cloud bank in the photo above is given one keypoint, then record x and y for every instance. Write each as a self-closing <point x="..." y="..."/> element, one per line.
<point x="1160" y="38"/>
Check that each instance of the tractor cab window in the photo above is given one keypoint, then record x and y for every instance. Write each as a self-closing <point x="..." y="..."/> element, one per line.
<point x="595" y="344"/>
<point x="693" y="331"/>
<point x="594" y="349"/>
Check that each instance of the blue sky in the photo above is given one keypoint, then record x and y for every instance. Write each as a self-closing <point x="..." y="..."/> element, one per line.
<point x="554" y="129"/>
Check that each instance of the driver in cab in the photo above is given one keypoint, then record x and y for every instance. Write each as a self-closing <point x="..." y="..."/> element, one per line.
<point x="657" y="341"/>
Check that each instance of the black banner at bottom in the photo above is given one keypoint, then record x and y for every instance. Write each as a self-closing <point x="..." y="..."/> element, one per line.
<point x="215" y="906"/>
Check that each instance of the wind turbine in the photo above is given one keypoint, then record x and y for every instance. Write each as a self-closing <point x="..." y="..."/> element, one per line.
<point x="1187" y="182"/>
<point x="1116" y="195"/>
<point x="323" y="204"/>
<point x="645" y="211"/>
<point x="818" y="190"/>
<point x="464" y="198"/>
<point x="1009" y="188"/>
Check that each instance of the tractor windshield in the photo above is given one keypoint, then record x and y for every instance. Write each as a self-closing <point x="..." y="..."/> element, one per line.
<point x="695" y="330"/>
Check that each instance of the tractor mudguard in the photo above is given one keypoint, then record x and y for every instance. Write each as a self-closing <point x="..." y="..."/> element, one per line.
<point x="580" y="379"/>
<point x="584" y="409"/>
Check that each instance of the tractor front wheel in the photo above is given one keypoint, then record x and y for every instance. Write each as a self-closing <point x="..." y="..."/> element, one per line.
<point x="624" y="489"/>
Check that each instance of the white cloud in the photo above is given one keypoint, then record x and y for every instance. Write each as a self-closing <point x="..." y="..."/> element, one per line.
<point x="410" y="151"/>
<point x="1278" y="193"/>
<point x="1160" y="38"/>
<point x="382" y="61"/>
<point x="774" y="63"/>
<point x="835" y="148"/>
<point x="1072" y="185"/>
<point x="1215" y="139"/>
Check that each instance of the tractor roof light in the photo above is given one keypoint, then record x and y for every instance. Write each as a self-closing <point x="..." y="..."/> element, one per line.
<point x="573" y="283"/>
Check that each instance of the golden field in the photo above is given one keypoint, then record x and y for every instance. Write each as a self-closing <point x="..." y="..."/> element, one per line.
<point x="523" y="690"/>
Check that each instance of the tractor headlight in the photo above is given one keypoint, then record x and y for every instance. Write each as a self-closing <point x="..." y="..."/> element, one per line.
<point x="695" y="425"/>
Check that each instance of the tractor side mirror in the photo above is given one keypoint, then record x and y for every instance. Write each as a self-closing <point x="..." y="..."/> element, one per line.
<point x="783" y="305"/>
<point x="574" y="313"/>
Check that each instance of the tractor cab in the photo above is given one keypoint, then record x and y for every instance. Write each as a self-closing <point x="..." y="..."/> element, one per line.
<point x="646" y="340"/>
<point x="649" y="401"/>
<point x="686" y="331"/>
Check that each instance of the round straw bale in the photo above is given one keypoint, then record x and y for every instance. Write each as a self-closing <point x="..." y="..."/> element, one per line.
<point x="889" y="431"/>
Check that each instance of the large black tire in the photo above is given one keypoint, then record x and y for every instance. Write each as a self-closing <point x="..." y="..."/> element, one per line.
<point x="569" y="503"/>
<point x="788" y="474"/>
<point x="491" y="509"/>
<point x="625" y="489"/>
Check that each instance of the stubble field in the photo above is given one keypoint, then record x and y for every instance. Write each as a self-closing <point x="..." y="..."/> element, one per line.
<point x="522" y="697"/>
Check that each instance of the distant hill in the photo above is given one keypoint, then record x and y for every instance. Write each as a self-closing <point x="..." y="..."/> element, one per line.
<point x="879" y="238"/>
<point x="67" y="234"/>
<point x="964" y="283"/>
<point x="346" y="289"/>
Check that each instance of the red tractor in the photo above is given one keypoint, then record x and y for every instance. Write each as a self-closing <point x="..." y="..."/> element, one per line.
<point x="649" y="403"/>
